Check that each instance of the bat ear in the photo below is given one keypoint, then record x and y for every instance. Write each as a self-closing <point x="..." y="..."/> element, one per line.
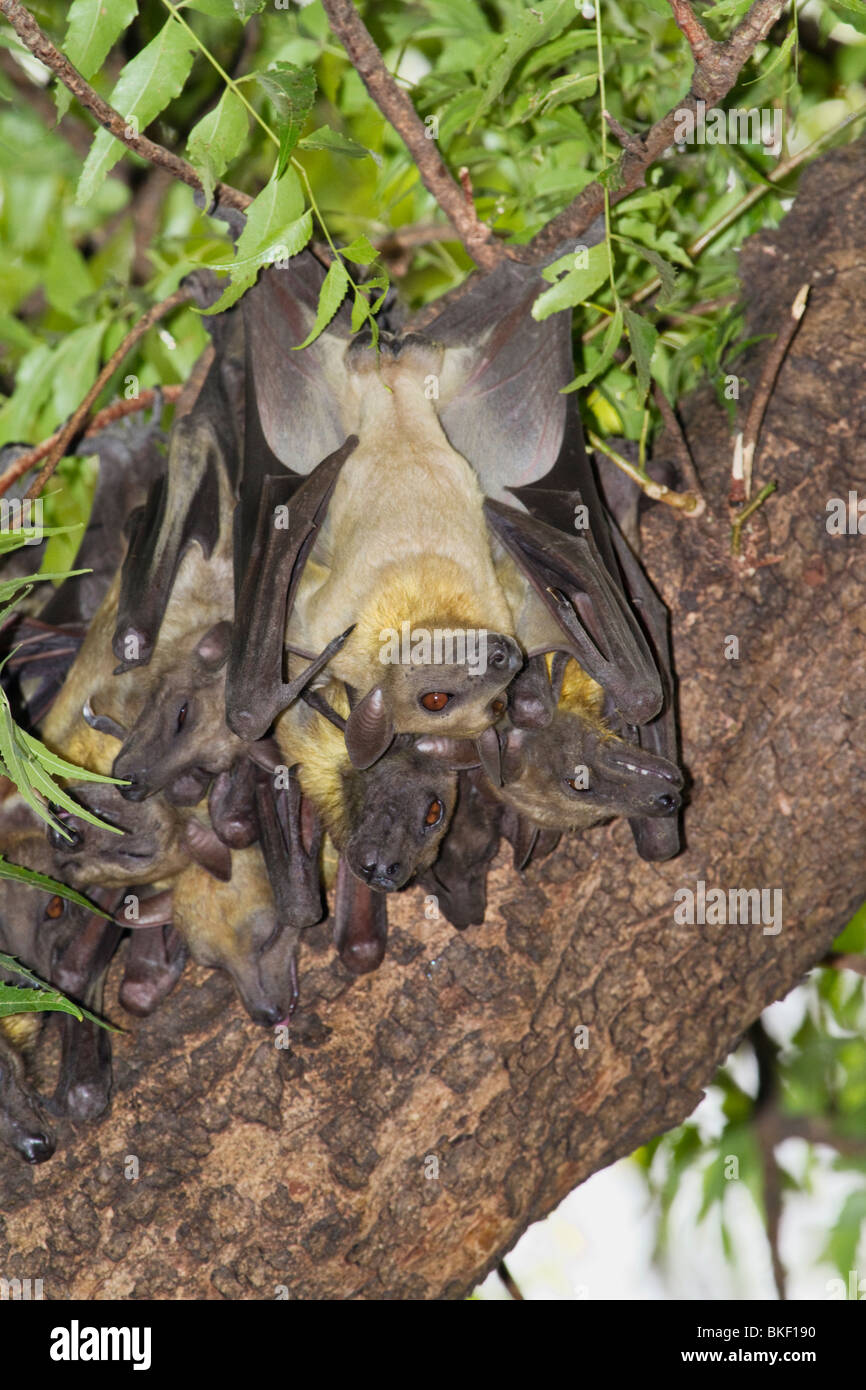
<point x="369" y="730"/>
<point x="213" y="648"/>
<point x="207" y="849"/>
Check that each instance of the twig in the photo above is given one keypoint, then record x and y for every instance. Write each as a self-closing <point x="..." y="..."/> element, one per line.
<point x="61" y="440"/>
<point x="717" y="67"/>
<point x="42" y="48"/>
<point x="397" y="108"/>
<point x="766" y="1121"/>
<point x="683" y="501"/>
<point x="743" y="516"/>
<point x="632" y="143"/>
<point x="688" y="24"/>
<point x="741" y="474"/>
<point x="509" y="1281"/>
<point x="101" y="420"/>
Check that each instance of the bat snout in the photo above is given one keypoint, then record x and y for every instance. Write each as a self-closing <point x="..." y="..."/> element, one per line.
<point x="36" y="1148"/>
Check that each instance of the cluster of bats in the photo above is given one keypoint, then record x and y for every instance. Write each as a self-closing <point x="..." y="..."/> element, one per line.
<point x="231" y="658"/>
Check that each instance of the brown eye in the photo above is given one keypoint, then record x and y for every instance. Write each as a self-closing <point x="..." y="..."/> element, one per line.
<point x="435" y="699"/>
<point x="54" y="908"/>
<point x="498" y="707"/>
<point x="181" y="718"/>
<point x="434" y="813"/>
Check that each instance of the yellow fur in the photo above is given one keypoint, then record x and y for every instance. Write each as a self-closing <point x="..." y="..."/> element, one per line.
<point x="308" y="739"/>
<point x="21" y="1030"/>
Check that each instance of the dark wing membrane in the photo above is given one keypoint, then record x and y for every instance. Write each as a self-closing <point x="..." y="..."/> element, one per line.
<point x="360" y="922"/>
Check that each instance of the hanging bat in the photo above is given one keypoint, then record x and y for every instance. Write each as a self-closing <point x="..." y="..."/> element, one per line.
<point x="66" y="946"/>
<point x="186" y="507"/>
<point x="385" y="534"/>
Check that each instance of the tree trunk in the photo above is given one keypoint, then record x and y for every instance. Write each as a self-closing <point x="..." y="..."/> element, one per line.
<point x="425" y="1115"/>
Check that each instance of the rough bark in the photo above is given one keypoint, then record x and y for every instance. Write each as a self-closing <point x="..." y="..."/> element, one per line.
<point x="312" y="1168"/>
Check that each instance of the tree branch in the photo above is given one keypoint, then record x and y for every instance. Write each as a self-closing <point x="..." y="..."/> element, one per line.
<point x="42" y="48"/>
<point x="60" y="441"/>
<point x="717" y="67"/>
<point x="398" y="110"/>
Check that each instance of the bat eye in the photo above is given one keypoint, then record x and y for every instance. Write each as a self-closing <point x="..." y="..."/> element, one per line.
<point x="54" y="908"/>
<point x="434" y="813"/>
<point x="181" y="716"/>
<point x="435" y="699"/>
<point x="498" y="707"/>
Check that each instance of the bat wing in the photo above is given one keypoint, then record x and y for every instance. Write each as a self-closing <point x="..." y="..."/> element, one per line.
<point x="297" y="395"/>
<point x="458" y="877"/>
<point x="255" y="689"/>
<point x="597" y="624"/>
<point x="500" y="391"/>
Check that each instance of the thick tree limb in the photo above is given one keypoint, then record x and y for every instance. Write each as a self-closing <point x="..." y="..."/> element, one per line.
<point x="425" y="1115"/>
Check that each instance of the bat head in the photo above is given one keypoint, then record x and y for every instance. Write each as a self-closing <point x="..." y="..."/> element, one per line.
<point x="398" y="811"/>
<point x="457" y="699"/>
<point x="181" y="738"/>
<point x="571" y="773"/>
<point x="151" y="847"/>
<point x="232" y="926"/>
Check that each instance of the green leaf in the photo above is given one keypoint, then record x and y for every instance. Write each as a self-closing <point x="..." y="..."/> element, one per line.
<point x="577" y="285"/>
<point x="43" y="998"/>
<point x="92" y="27"/>
<point x="144" y="88"/>
<point x="18" y="874"/>
<point x="841" y="1247"/>
<point x="59" y="767"/>
<point x="292" y="91"/>
<point x="361" y="251"/>
<point x="331" y="140"/>
<point x="330" y="298"/>
<point x="535" y="27"/>
<point x="643" y="337"/>
<point x="612" y="337"/>
<point x="277" y="228"/>
<point x="8" y="587"/>
<point x="663" y="268"/>
<point x="569" y="89"/>
<point x="217" y="139"/>
<point x="13" y="540"/>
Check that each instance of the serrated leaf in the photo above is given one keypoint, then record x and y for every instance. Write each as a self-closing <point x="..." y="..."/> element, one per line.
<point x="331" y="297"/>
<point x="59" y="767"/>
<point x="643" y="337"/>
<point x="92" y="27"/>
<point x="663" y="268"/>
<point x="276" y="228"/>
<point x="612" y="337"/>
<point x="216" y="140"/>
<point x="18" y="874"/>
<point x="10" y="586"/>
<point x="361" y="251"/>
<point x="13" y="540"/>
<point x="144" y="88"/>
<point x="536" y="26"/>
<point x="568" y="89"/>
<point x="292" y="91"/>
<point x="53" y="997"/>
<point x="576" y="285"/>
<point x="331" y="140"/>
<point x="41" y="781"/>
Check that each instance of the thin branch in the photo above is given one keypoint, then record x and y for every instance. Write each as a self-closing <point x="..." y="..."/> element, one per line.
<point x="60" y="442"/>
<point x="509" y="1281"/>
<point x="741" y="486"/>
<point x="742" y="517"/>
<point x="716" y="72"/>
<point x="686" y="502"/>
<point x="844" y="960"/>
<point x="766" y="1121"/>
<point x="631" y="143"/>
<point x="397" y="109"/>
<point x="42" y="48"/>
<point x="690" y="26"/>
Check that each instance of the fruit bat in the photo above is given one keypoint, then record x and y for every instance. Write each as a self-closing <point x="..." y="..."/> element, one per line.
<point x="352" y="436"/>
<point x="69" y="947"/>
<point x="186" y="506"/>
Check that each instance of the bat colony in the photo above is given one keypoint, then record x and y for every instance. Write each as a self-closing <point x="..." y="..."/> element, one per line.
<point x="348" y="634"/>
